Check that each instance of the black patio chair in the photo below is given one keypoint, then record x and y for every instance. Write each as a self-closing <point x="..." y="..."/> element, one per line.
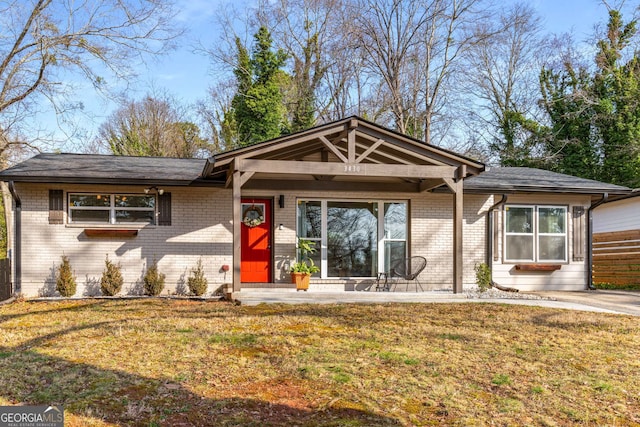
<point x="408" y="270"/>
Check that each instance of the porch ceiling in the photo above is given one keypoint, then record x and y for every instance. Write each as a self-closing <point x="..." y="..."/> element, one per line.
<point x="352" y="151"/>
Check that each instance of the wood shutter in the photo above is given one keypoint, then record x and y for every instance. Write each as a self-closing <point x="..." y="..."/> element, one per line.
<point x="56" y="207"/>
<point x="164" y="209"/>
<point x="579" y="231"/>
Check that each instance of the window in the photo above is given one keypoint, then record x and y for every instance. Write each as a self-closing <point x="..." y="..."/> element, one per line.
<point x="112" y="209"/>
<point x="395" y="234"/>
<point x="535" y="233"/>
<point x="353" y="238"/>
<point x="310" y="228"/>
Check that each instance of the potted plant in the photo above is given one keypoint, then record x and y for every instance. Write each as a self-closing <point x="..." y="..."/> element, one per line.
<point x="302" y="270"/>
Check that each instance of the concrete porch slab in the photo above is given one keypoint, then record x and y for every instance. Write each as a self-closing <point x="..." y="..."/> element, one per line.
<point x="291" y="296"/>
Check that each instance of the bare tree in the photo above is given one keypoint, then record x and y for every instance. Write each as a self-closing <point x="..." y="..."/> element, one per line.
<point x="215" y="113"/>
<point x="154" y="126"/>
<point x="44" y="42"/>
<point x="389" y="31"/>
<point x="447" y="36"/>
<point x="413" y="47"/>
<point x="504" y="70"/>
<point x="307" y="30"/>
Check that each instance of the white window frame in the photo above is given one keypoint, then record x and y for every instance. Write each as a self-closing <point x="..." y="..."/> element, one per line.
<point x="324" y="267"/>
<point x="112" y="208"/>
<point x="536" y="234"/>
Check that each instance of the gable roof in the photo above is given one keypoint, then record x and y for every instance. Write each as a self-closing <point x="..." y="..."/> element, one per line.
<point x="350" y="140"/>
<point x="520" y="179"/>
<point x="105" y="169"/>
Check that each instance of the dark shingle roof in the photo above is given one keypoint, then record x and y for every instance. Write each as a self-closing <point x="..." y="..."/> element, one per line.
<point x="516" y="179"/>
<point x="104" y="169"/>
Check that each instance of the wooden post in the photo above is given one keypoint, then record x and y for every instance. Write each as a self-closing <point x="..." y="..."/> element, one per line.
<point x="457" y="237"/>
<point x="458" y="207"/>
<point x="351" y="143"/>
<point x="237" y="221"/>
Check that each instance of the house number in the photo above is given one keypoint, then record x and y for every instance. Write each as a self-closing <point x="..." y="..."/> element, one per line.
<point x="352" y="168"/>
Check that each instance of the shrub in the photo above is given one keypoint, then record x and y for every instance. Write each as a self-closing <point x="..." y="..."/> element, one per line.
<point x="153" y="280"/>
<point x="111" y="281"/>
<point x="65" y="280"/>
<point x="197" y="282"/>
<point x="483" y="276"/>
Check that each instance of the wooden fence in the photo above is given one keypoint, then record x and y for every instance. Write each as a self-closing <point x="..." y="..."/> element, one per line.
<point x="6" y="289"/>
<point x="616" y="257"/>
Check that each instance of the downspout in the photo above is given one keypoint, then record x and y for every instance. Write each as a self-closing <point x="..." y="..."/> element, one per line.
<point x="17" y="252"/>
<point x="605" y="197"/>
<point x="489" y="251"/>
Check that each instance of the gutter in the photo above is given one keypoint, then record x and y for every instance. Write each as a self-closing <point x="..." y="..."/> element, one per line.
<point x="605" y="197"/>
<point x="17" y="255"/>
<point x="490" y="231"/>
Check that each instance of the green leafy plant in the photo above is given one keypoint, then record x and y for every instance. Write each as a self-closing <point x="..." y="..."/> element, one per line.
<point x="153" y="280"/>
<point x="483" y="276"/>
<point x="305" y="264"/>
<point x="111" y="281"/>
<point x="303" y="267"/>
<point x="197" y="282"/>
<point x="65" y="279"/>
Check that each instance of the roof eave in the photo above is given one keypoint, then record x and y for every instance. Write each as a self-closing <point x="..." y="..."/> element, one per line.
<point x="560" y="190"/>
<point x="109" y="181"/>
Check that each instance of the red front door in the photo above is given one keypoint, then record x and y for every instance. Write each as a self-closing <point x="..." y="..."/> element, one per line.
<point x="255" y="263"/>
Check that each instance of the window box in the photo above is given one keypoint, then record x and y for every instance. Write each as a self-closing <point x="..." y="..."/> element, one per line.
<point x="110" y="232"/>
<point x="538" y="267"/>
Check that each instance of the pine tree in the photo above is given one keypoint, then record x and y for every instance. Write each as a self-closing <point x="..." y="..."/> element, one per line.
<point x="617" y="103"/>
<point x="197" y="282"/>
<point x="571" y="146"/>
<point x="257" y="108"/>
<point x="65" y="280"/>
<point x="111" y="281"/>
<point x="153" y="280"/>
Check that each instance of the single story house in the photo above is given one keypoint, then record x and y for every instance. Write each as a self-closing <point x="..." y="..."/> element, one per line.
<point x="616" y="241"/>
<point x="364" y="194"/>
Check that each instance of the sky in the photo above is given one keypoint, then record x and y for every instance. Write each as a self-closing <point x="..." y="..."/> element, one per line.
<point x="186" y="74"/>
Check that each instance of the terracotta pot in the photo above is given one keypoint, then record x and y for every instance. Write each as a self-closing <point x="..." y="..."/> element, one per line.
<point x="301" y="280"/>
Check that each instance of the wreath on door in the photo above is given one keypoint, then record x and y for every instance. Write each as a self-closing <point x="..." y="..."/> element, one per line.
<point x="252" y="216"/>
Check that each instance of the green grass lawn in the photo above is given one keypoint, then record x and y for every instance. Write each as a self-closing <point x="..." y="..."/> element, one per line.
<point x="162" y="362"/>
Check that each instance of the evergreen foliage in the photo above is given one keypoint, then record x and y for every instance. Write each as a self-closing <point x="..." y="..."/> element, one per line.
<point x="258" y="111"/>
<point x="65" y="279"/>
<point x="571" y="145"/>
<point x="153" y="280"/>
<point x="592" y="123"/>
<point x="112" y="280"/>
<point x="483" y="276"/>
<point x="617" y="103"/>
<point x="197" y="282"/>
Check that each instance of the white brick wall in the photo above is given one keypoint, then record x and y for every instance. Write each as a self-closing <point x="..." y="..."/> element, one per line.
<point x="431" y="231"/>
<point x="202" y="227"/>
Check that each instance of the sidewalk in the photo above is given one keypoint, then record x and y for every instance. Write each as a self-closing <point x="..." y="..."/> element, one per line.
<point x="625" y="302"/>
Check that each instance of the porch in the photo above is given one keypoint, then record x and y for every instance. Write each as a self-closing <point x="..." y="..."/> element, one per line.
<point x="343" y="286"/>
<point x="328" y="294"/>
<point x="349" y="169"/>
